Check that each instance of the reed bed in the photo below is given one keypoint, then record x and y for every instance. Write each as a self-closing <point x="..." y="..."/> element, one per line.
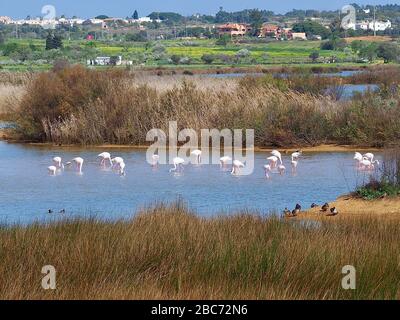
<point x="10" y="97"/>
<point x="78" y="106"/>
<point x="167" y="252"/>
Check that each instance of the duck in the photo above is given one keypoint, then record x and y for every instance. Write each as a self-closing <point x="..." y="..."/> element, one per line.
<point x="334" y="212"/>
<point x="49" y="211"/>
<point x="298" y="207"/>
<point x="287" y="213"/>
<point x="295" y="212"/>
<point x="314" y="205"/>
<point x="325" y="207"/>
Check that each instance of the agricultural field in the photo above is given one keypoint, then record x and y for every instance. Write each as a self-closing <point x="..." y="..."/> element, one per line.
<point x="271" y="53"/>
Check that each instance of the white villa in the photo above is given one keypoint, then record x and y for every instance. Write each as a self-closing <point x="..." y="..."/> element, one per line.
<point x="373" y="25"/>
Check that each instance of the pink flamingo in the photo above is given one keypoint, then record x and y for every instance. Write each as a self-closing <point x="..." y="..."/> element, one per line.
<point x="281" y="169"/>
<point x="104" y="157"/>
<point x="78" y="162"/>
<point x="58" y="162"/>
<point x="52" y="170"/>
<point x="178" y="164"/>
<point x="236" y="167"/>
<point x="267" y="170"/>
<point x="197" y="154"/>
<point x="224" y="161"/>
<point x="273" y="161"/>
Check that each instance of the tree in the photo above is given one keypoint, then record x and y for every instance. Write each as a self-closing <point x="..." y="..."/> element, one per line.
<point x="102" y="17"/>
<point x="223" y="40"/>
<point x="368" y="51"/>
<point x="389" y="52"/>
<point x="243" y="54"/>
<point x="2" y="39"/>
<point x="256" y="21"/>
<point x="175" y="59"/>
<point x="135" y="15"/>
<point x="208" y="58"/>
<point x="334" y="44"/>
<point x="312" y="28"/>
<point x="314" y="56"/>
<point x="53" y="42"/>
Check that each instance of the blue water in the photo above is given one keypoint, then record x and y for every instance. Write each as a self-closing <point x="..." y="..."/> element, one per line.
<point x="350" y="90"/>
<point x="27" y="191"/>
<point x="343" y="74"/>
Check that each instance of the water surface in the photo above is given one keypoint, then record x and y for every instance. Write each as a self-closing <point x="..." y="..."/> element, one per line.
<point x="27" y="191"/>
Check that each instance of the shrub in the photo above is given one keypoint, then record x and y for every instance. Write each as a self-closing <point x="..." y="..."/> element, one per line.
<point x="386" y="181"/>
<point x="208" y="58"/>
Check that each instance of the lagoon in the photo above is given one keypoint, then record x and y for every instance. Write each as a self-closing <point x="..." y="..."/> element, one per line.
<point x="27" y="191"/>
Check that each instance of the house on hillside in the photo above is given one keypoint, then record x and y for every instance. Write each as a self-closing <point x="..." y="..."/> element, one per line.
<point x="372" y="25"/>
<point x="105" y="61"/>
<point x="299" y="36"/>
<point x="5" y="20"/>
<point x="233" y="29"/>
<point x="275" y="32"/>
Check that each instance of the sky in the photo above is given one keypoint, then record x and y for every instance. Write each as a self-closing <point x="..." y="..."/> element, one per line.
<point x="123" y="8"/>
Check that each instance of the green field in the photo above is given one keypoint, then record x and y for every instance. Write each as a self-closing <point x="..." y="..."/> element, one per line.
<point x="271" y="53"/>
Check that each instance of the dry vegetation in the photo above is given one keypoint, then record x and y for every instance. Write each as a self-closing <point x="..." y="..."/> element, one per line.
<point x="169" y="253"/>
<point x="10" y="95"/>
<point x="78" y="106"/>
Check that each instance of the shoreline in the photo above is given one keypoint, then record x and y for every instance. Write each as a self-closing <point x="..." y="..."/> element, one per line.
<point x="285" y="150"/>
<point x="351" y="207"/>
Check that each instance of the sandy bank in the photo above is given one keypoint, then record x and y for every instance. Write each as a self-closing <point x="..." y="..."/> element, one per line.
<point x="350" y="207"/>
<point x="321" y="148"/>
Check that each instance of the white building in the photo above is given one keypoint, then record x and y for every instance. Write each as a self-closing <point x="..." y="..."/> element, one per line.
<point x="373" y="25"/>
<point x="105" y="61"/>
<point x="5" y="20"/>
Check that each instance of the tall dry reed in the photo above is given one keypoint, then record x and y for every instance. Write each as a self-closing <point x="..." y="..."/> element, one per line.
<point x="75" y="105"/>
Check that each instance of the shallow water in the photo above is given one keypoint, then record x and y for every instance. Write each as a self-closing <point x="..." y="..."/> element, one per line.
<point x="343" y="74"/>
<point x="27" y="191"/>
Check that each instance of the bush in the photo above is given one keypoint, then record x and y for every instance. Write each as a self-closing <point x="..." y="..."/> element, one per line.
<point x="386" y="181"/>
<point x="337" y="44"/>
<point x="208" y="58"/>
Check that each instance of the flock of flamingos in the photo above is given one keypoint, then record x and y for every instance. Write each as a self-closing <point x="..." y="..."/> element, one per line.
<point x="366" y="162"/>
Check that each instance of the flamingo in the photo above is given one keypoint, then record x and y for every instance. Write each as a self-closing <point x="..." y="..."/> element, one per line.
<point x="156" y="159"/>
<point x="224" y="161"/>
<point x="281" y="169"/>
<point x="296" y="155"/>
<point x="277" y="154"/>
<point x="359" y="158"/>
<point x="294" y="164"/>
<point x="267" y="170"/>
<point x="236" y="167"/>
<point x="122" y="168"/>
<point x="178" y="164"/>
<point x="366" y="164"/>
<point x="105" y="156"/>
<point x="369" y="156"/>
<point x="78" y="162"/>
<point x="58" y="162"/>
<point x="273" y="161"/>
<point x="52" y="170"/>
<point x="197" y="153"/>
<point x="117" y="162"/>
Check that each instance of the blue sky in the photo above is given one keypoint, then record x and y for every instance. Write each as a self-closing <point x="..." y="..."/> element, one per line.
<point x="122" y="8"/>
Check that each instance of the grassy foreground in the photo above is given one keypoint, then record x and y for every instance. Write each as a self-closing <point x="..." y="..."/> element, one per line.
<point x="169" y="253"/>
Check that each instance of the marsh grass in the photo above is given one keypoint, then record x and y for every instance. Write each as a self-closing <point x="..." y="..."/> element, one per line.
<point x="10" y="96"/>
<point x="167" y="252"/>
<point x="78" y="106"/>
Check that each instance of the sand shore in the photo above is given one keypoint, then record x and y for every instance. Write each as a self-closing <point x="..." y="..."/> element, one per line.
<point x="351" y="207"/>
